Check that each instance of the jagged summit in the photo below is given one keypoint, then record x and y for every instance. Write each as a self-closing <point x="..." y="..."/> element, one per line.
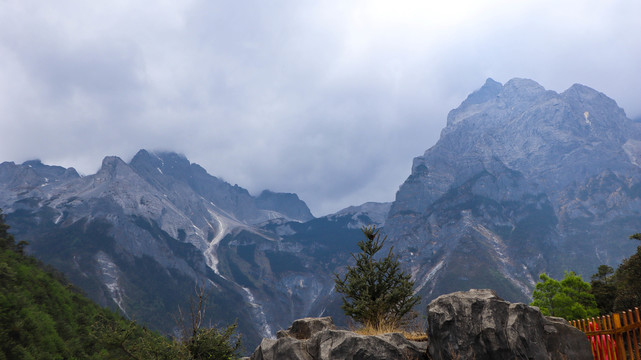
<point x="49" y="171"/>
<point x="522" y="87"/>
<point x="513" y="179"/>
<point x="487" y="92"/>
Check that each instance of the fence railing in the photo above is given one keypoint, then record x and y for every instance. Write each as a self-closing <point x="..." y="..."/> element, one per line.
<point x="613" y="337"/>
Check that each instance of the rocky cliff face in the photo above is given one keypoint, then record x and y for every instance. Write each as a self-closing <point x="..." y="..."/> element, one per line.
<point x="523" y="180"/>
<point x="140" y="236"/>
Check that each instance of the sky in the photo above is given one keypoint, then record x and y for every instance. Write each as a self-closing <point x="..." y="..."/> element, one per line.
<point x="328" y="99"/>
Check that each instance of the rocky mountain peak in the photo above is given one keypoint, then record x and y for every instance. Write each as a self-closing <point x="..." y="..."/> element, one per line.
<point x="162" y="163"/>
<point x="144" y="157"/>
<point x="112" y="167"/>
<point x="287" y="204"/>
<point x="523" y="87"/>
<point x="50" y="172"/>
<point x="517" y="94"/>
<point x="174" y="164"/>
<point x="111" y="163"/>
<point x="516" y="152"/>
<point x="580" y="91"/>
<point x="487" y="92"/>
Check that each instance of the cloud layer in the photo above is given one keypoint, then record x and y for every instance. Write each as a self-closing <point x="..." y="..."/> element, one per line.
<point x="330" y="100"/>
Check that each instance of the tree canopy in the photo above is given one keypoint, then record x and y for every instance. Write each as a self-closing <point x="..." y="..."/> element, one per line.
<point x="376" y="291"/>
<point x="620" y="289"/>
<point x="569" y="298"/>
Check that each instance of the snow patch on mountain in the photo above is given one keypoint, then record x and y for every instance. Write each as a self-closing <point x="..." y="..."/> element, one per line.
<point x="375" y="212"/>
<point x="259" y="313"/>
<point x="110" y="274"/>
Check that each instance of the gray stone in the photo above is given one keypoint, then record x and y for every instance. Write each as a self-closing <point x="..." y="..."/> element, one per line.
<point x="317" y="339"/>
<point x="477" y="324"/>
<point x="305" y="328"/>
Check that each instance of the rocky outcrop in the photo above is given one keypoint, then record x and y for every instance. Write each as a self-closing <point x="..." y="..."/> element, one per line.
<point x="477" y="324"/>
<point x="285" y="204"/>
<point x="317" y="339"/>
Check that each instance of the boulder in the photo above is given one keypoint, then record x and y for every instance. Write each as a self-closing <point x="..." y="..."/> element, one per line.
<point x="477" y="324"/>
<point x="317" y="339"/>
<point x="304" y="328"/>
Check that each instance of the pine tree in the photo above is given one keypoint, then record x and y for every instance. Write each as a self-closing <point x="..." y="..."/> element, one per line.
<point x="604" y="289"/>
<point x="377" y="292"/>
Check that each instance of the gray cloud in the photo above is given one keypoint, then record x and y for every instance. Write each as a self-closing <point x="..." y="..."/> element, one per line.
<point x="331" y="100"/>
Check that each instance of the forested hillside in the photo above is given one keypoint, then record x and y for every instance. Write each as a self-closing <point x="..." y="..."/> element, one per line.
<point x="42" y="316"/>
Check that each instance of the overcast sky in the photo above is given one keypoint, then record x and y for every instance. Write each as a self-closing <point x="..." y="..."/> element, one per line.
<point x="328" y="99"/>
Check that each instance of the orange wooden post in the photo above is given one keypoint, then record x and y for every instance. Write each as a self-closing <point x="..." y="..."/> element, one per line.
<point x="636" y="340"/>
<point x="618" y="337"/>
<point x="593" y="344"/>
<point x="608" y="340"/>
<point x="597" y="350"/>
<point x="636" y="343"/>
<point x="632" y="335"/>
<point x="628" y="335"/>
<point x="601" y="346"/>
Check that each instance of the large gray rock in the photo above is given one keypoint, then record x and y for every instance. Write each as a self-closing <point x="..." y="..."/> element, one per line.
<point x="305" y="328"/>
<point x="477" y="324"/>
<point x="316" y="339"/>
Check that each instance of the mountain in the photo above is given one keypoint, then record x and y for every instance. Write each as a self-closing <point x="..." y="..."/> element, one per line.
<point x="139" y="237"/>
<point x="523" y="180"/>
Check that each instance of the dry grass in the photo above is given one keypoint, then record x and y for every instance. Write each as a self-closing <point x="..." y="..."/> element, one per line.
<point x="391" y="328"/>
<point x="415" y="336"/>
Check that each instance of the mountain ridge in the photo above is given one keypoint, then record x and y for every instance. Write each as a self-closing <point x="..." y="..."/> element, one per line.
<point x="523" y="180"/>
<point x="161" y="224"/>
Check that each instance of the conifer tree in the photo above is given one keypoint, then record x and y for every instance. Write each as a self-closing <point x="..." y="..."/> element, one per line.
<point x="377" y="292"/>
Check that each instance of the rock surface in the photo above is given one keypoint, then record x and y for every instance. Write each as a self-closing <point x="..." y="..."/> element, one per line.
<point x="477" y="324"/>
<point x="523" y="180"/>
<point x="317" y="339"/>
<point x="305" y="328"/>
<point x="144" y="232"/>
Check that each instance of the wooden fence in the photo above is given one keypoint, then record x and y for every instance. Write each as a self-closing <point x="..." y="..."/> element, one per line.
<point x="613" y="337"/>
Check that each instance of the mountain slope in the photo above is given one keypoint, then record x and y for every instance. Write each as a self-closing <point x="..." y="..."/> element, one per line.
<point x="138" y="237"/>
<point x="523" y="180"/>
<point x="44" y="317"/>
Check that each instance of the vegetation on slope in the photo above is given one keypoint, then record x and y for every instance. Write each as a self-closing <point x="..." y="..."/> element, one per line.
<point x="620" y="289"/>
<point x="609" y="291"/>
<point x="43" y="317"/>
